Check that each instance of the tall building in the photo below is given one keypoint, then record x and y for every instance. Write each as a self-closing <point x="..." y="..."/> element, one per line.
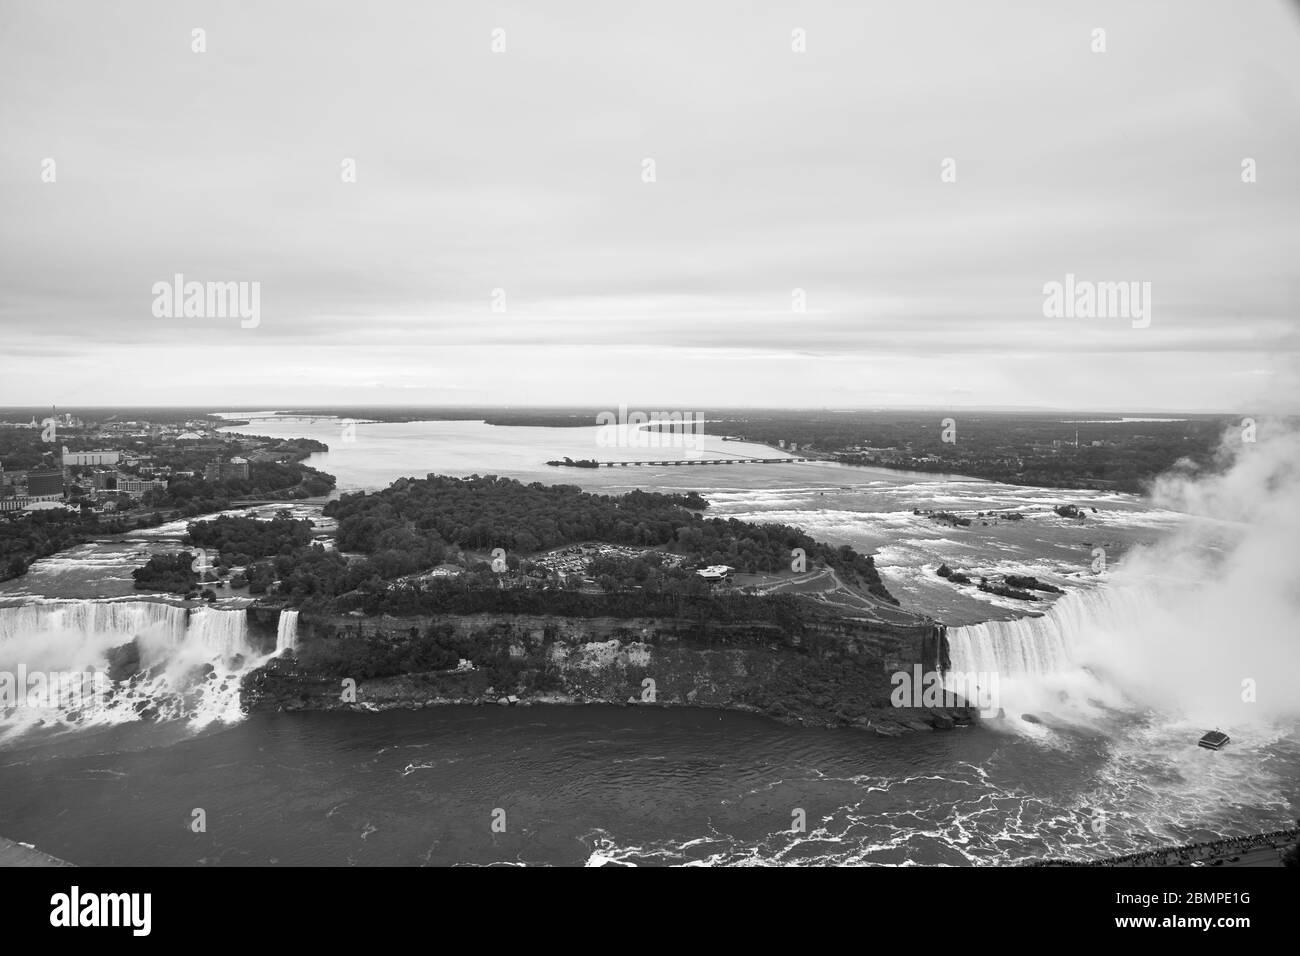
<point x="45" y="484"/>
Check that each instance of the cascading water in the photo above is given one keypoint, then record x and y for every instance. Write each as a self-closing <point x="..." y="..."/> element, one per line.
<point x="286" y="632"/>
<point x="224" y="633"/>
<point x="1134" y="671"/>
<point x="76" y="633"/>
<point x="1058" y="661"/>
<point x="172" y="663"/>
<point x="1049" y="643"/>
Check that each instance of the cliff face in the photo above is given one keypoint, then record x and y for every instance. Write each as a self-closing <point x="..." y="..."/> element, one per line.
<point x="837" y="674"/>
<point x="262" y="622"/>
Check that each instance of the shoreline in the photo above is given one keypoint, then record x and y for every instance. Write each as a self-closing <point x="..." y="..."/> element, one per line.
<point x="17" y="854"/>
<point x="890" y="723"/>
<point x="1267" y="849"/>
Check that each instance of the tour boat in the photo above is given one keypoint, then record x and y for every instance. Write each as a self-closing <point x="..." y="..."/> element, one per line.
<point x="1213" y="740"/>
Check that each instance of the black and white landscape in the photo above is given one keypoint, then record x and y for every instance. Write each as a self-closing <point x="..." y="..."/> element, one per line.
<point x="676" y="434"/>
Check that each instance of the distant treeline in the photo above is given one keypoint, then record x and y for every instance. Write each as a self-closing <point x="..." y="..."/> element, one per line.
<point x="1023" y="449"/>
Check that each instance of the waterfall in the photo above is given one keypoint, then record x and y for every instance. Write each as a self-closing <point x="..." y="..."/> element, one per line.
<point x="219" y="632"/>
<point x="83" y="626"/>
<point x="63" y="635"/>
<point x="286" y="632"/>
<point x="1049" y="643"/>
<point x="179" y="663"/>
<point x="1066" y="662"/>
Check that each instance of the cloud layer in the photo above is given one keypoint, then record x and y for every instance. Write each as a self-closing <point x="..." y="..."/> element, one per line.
<point x="774" y="171"/>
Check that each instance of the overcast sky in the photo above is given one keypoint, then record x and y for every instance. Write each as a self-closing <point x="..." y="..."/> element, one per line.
<point x="774" y="170"/>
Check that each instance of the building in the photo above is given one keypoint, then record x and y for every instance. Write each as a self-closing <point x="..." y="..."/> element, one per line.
<point x="136" y="487"/>
<point x="45" y="484"/>
<point x="80" y="459"/>
<point x="715" y="572"/>
<point x="236" y="468"/>
<point x="43" y="505"/>
<point x="27" y="503"/>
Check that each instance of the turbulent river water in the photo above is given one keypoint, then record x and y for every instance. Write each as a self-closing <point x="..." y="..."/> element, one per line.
<point x="1104" y="766"/>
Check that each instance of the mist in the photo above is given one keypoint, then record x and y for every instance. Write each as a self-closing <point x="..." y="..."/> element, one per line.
<point x="1218" y="642"/>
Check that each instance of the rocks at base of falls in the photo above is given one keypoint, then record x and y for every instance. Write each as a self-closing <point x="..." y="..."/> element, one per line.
<point x="124" y="661"/>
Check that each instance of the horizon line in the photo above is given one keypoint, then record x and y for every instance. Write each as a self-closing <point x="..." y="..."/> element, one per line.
<point x="584" y="406"/>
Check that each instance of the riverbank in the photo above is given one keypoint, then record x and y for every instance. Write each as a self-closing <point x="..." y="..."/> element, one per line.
<point x="24" y="854"/>
<point x="1262" y="849"/>
<point x="288" y="691"/>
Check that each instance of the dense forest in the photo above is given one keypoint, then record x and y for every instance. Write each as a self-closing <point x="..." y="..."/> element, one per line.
<point x="415" y="523"/>
<point x="242" y="539"/>
<point x="22" y="449"/>
<point x="168" y="572"/>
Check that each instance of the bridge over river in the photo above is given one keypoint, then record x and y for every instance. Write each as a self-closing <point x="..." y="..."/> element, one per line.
<point x="687" y="461"/>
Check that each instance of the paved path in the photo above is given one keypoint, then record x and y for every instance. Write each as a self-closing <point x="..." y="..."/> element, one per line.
<point x="833" y="591"/>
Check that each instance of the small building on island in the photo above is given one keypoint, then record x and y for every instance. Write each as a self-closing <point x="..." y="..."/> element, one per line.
<point x="715" y="572"/>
